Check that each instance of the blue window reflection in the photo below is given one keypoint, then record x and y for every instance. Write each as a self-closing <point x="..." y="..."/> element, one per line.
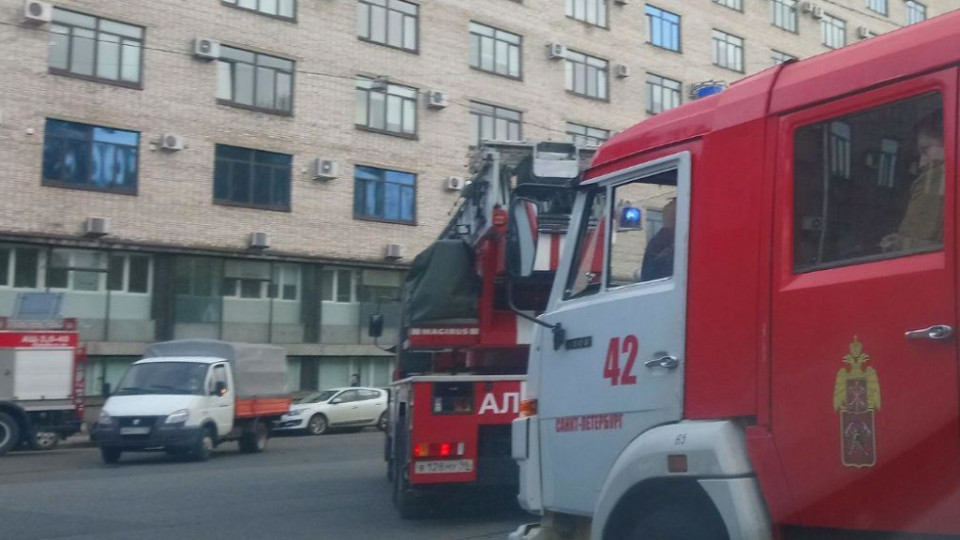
<point x="385" y="194"/>
<point x="87" y="156"/>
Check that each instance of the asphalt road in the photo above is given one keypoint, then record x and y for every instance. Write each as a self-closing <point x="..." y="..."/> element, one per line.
<point x="328" y="487"/>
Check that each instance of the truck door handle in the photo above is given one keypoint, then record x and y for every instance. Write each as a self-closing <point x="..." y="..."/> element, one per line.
<point x="938" y="332"/>
<point x="663" y="360"/>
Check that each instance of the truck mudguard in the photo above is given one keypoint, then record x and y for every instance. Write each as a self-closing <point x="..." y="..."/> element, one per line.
<point x="716" y="456"/>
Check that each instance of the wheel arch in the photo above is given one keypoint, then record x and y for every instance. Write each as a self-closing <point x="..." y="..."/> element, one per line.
<point x="20" y="416"/>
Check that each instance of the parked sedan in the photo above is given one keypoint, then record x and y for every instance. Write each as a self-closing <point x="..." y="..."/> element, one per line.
<point x="336" y="408"/>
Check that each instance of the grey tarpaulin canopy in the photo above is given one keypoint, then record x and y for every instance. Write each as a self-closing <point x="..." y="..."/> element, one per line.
<point x="442" y="284"/>
<point x="258" y="370"/>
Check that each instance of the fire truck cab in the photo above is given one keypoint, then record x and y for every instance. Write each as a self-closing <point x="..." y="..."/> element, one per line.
<point x="772" y="352"/>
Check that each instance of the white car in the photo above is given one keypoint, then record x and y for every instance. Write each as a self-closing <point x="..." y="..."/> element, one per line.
<point x="336" y="408"/>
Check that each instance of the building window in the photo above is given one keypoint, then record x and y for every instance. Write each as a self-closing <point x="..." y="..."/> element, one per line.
<point x="338" y="285"/>
<point x="255" y="178"/>
<point x="916" y="12"/>
<point x="494" y="50"/>
<point x="880" y="6"/>
<point x="385" y="195"/>
<point x="284" y="9"/>
<point x="589" y="11"/>
<point x="129" y="273"/>
<point x="833" y="32"/>
<point x="246" y="279"/>
<point x="386" y="107"/>
<point x="254" y="80"/>
<point x="494" y="123"/>
<point x="732" y="4"/>
<point x="662" y="93"/>
<point x="76" y="270"/>
<point x="586" y="75"/>
<point x="388" y="22"/>
<point x="664" y="28"/>
<point x="100" y="49"/>
<point x="781" y="57"/>
<point x="285" y="284"/>
<point x="19" y="267"/>
<point x="784" y="14"/>
<point x="727" y="51"/>
<point x="90" y="157"/>
<point x="585" y="135"/>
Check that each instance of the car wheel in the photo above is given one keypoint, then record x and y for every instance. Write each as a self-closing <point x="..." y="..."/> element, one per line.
<point x="382" y="422"/>
<point x="110" y="454"/>
<point x="46" y="440"/>
<point x="317" y="425"/>
<point x="203" y="447"/>
<point x="669" y="522"/>
<point x="255" y="441"/>
<point x="9" y="433"/>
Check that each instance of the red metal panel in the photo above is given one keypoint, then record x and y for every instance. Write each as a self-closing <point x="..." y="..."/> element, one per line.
<point x="257" y="407"/>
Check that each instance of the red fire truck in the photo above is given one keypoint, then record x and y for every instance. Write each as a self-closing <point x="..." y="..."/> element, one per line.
<point x="466" y="328"/>
<point x="42" y="382"/>
<point x="774" y="354"/>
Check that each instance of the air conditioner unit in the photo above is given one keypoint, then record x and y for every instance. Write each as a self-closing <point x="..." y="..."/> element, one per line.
<point x="206" y="49"/>
<point x="436" y="99"/>
<point x="171" y="142"/>
<point x="817" y="12"/>
<point x="95" y="227"/>
<point x="863" y="32"/>
<point x="622" y="71"/>
<point x="259" y="240"/>
<point x="393" y="251"/>
<point x="37" y="12"/>
<point x="806" y="7"/>
<point x="556" y="51"/>
<point x="455" y="183"/>
<point x="324" y="169"/>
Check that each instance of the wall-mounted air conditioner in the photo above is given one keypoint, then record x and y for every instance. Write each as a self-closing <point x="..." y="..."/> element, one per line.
<point x="556" y="51"/>
<point x="393" y="251"/>
<point x="206" y="49"/>
<point x="95" y="227"/>
<point x="37" y="12"/>
<point x="171" y="142"/>
<point x="455" y="183"/>
<point x="436" y="99"/>
<point x="259" y="240"/>
<point x="324" y="169"/>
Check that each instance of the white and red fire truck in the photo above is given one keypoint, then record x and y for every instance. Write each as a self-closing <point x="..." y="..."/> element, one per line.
<point x="466" y="328"/>
<point x="774" y="354"/>
<point x="42" y="382"/>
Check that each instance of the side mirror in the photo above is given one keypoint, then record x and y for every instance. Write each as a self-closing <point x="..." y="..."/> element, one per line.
<point x="219" y="389"/>
<point x="375" y="326"/>
<point x="105" y="390"/>
<point x="523" y="232"/>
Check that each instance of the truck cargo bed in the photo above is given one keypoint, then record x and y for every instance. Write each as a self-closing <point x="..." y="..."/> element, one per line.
<point x="262" y="406"/>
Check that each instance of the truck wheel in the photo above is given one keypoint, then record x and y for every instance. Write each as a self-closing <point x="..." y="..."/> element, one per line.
<point x="382" y="422"/>
<point x="408" y="504"/>
<point x="256" y="441"/>
<point x="671" y="522"/>
<point x="317" y="425"/>
<point x="9" y="433"/>
<point x="203" y="447"/>
<point x="45" y="440"/>
<point x="110" y="454"/>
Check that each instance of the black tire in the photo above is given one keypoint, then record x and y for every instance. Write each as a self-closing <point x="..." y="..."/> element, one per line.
<point x="45" y="440"/>
<point x="255" y="441"/>
<point x="203" y="447"/>
<point x="9" y="433"/>
<point x="408" y="502"/>
<point x="676" y="522"/>
<point x="383" y="421"/>
<point x="110" y="454"/>
<point x="317" y="425"/>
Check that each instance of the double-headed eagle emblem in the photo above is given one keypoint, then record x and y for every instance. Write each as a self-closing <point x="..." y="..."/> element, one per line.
<point x="856" y="396"/>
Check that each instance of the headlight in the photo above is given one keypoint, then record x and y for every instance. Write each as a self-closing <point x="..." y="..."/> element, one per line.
<point x="296" y="412"/>
<point x="178" y="417"/>
<point x="104" y="419"/>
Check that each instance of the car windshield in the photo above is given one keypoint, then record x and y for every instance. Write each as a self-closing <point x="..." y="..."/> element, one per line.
<point x="163" y="378"/>
<point x="318" y="397"/>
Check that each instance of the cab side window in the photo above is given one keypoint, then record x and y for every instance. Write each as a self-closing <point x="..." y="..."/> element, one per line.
<point x="869" y="185"/>
<point x="219" y="374"/>
<point x="587" y="267"/>
<point x="643" y="229"/>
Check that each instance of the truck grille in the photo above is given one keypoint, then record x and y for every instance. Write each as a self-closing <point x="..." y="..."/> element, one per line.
<point x="141" y="421"/>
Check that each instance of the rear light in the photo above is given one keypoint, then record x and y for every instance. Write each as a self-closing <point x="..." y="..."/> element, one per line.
<point x="528" y="407"/>
<point x="677" y="463"/>
<point x="444" y="449"/>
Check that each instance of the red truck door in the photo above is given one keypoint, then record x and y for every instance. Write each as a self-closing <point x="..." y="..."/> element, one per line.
<point x="864" y="375"/>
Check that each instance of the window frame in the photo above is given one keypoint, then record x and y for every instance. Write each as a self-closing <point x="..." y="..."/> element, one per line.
<point x="235" y="4"/>
<point x="335" y="273"/>
<point x="66" y="72"/>
<point x="255" y="67"/>
<point x="368" y="91"/>
<point x="90" y="142"/>
<point x="495" y="114"/>
<point x="787" y="11"/>
<point x="357" y="193"/>
<point x="12" y="256"/>
<point x="828" y="23"/>
<point x="386" y="6"/>
<point x="661" y="22"/>
<point x="738" y="4"/>
<point x="570" y="81"/>
<point x="217" y="160"/>
<point x="780" y="57"/>
<point x="496" y="31"/>
<point x="127" y="269"/>
<point x="715" y="42"/>
<point x="875" y="6"/>
<point x="73" y="268"/>
<point x="662" y="88"/>
<point x="602" y="8"/>
<point x="582" y="139"/>
<point x="914" y="7"/>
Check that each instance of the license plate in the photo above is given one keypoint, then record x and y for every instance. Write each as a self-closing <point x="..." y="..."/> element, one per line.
<point x="141" y="430"/>
<point x="444" y="467"/>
